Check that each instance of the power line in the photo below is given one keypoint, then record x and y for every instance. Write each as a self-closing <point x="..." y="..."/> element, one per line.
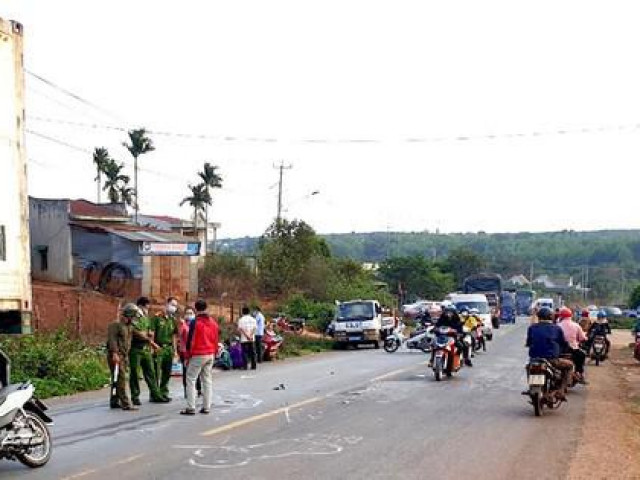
<point x="327" y="141"/>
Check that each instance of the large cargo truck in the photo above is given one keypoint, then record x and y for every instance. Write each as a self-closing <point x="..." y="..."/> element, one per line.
<point x="15" y="268"/>
<point x="490" y="284"/>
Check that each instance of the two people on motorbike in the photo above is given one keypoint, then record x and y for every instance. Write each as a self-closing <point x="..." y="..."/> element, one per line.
<point x="472" y="322"/>
<point x="602" y="328"/>
<point x="574" y="336"/>
<point x="547" y="341"/>
<point x="451" y="319"/>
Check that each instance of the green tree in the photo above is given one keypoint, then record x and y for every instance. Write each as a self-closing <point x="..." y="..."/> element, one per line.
<point x="634" y="298"/>
<point x="139" y="144"/>
<point x="211" y="179"/>
<point x="198" y="200"/>
<point x="462" y="262"/>
<point x="117" y="184"/>
<point x="417" y="277"/>
<point x="285" y="251"/>
<point x="101" y="159"/>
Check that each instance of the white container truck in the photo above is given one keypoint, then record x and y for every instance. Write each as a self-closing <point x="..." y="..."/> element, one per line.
<point x="15" y="268"/>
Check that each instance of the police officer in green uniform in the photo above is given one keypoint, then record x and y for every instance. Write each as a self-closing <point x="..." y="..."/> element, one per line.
<point x="165" y="334"/>
<point x="141" y="358"/>
<point x="118" y="347"/>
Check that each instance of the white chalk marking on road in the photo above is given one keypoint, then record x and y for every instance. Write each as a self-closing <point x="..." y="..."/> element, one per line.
<point x="256" y="418"/>
<point x="395" y="372"/>
<point x="127" y="460"/>
<point x="286" y="414"/>
<point x="237" y="456"/>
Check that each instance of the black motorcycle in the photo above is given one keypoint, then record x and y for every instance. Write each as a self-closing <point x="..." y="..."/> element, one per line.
<point x="545" y="385"/>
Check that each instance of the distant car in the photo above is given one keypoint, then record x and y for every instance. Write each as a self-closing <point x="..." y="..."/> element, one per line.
<point x="413" y="310"/>
<point x="613" y="312"/>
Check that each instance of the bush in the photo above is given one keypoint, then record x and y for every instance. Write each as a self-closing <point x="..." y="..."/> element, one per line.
<point x="56" y="364"/>
<point x="298" y="345"/>
<point x="625" y="323"/>
<point x="318" y="315"/>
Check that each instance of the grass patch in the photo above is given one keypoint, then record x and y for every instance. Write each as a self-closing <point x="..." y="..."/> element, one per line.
<point x="299" y="345"/>
<point x="624" y="323"/>
<point x="56" y="364"/>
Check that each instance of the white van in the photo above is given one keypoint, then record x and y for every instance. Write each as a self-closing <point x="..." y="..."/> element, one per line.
<point x="543" y="302"/>
<point x="478" y="301"/>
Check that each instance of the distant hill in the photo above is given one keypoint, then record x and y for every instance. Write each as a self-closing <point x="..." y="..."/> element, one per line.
<point x="566" y="248"/>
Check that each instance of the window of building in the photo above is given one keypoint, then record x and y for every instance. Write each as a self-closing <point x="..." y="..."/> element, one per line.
<point x="3" y="244"/>
<point x="43" y="252"/>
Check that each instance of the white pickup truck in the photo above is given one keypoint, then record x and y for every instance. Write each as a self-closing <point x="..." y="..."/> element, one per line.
<point x="360" y="322"/>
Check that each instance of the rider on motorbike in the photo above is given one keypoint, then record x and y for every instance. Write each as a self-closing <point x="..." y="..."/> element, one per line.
<point x="574" y="336"/>
<point x="600" y="327"/>
<point x="451" y="319"/>
<point x="546" y="340"/>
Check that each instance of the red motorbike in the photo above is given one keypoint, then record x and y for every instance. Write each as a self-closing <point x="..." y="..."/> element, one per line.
<point x="271" y="342"/>
<point x="446" y="357"/>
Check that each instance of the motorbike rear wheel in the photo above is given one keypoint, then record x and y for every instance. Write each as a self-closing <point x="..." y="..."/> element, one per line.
<point x="536" y="400"/>
<point x="39" y="455"/>
<point x="597" y="359"/>
<point x="391" y="345"/>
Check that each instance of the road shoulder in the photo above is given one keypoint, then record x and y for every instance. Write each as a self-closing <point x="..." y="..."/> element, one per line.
<point x="610" y="442"/>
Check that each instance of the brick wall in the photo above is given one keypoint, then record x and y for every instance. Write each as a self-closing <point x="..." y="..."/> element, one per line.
<point x="84" y="313"/>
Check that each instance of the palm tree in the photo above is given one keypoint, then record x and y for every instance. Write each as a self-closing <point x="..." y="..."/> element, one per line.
<point x="139" y="144"/>
<point x="211" y="179"/>
<point x="100" y="159"/>
<point x="116" y="183"/>
<point x="199" y="199"/>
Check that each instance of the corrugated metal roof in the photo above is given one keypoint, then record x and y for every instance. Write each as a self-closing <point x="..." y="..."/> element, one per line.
<point x="159" y="237"/>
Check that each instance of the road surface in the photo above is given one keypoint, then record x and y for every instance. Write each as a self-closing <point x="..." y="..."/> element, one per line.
<point x="359" y="414"/>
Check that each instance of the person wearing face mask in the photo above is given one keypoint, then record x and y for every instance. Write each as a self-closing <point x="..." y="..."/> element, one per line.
<point x="183" y="334"/>
<point x="164" y="327"/>
<point x="140" y="357"/>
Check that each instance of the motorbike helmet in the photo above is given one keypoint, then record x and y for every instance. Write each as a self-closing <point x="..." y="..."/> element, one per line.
<point x="565" y="312"/>
<point x="131" y="310"/>
<point x="545" y="313"/>
<point x="602" y="314"/>
<point x="464" y="312"/>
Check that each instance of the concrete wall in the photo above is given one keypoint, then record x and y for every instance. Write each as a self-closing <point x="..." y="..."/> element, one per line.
<point x="49" y="225"/>
<point x="15" y="284"/>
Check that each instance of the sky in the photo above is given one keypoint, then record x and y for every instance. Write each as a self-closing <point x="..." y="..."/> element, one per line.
<point x="404" y="115"/>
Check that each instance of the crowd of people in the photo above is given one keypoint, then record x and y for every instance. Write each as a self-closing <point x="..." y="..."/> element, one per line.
<point x="565" y="342"/>
<point x="150" y="344"/>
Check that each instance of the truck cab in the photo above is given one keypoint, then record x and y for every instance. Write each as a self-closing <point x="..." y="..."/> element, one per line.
<point x="358" y="322"/>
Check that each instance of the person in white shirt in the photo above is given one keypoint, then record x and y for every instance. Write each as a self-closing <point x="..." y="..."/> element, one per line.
<point x="259" y="333"/>
<point x="247" y="329"/>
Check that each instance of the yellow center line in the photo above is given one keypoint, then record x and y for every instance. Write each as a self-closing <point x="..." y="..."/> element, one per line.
<point x="80" y="475"/>
<point x="256" y="418"/>
<point x="127" y="460"/>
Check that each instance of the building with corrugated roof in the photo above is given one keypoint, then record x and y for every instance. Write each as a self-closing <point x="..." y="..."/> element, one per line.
<point x="96" y="246"/>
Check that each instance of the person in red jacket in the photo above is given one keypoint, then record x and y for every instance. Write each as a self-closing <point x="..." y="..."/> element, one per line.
<point x="202" y="347"/>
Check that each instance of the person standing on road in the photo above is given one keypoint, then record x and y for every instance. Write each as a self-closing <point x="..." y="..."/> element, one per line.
<point x="183" y="335"/>
<point x="118" y="347"/>
<point x="259" y="333"/>
<point x="247" y="328"/>
<point x="165" y="333"/>
<point x="141" y="357"/>
<point x="202" y="347"/>
<point x="574" y="336"/>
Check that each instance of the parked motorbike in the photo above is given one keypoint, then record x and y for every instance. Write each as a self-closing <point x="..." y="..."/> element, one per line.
<point x="420" y="340"/>
<point x="545" y="383"/>
<point x="446" y="358"/>
<point x="598" y="348"/>
<point x="295" y="325"/>
<point x="271" y="343"/>
<point x="24" y="435"/>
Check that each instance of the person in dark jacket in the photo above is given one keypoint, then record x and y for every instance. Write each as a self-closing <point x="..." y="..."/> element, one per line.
<point x="600" y="327"/>
<point x="202" y="347"/>
<point x="451" y="319"/>
<point x="546" y="340"/>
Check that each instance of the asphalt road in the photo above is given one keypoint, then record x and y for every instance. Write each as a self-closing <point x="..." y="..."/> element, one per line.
<point x="354" y="414"/>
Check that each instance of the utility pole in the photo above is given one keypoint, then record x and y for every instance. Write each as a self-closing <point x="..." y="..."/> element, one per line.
<point x="282" y="168"/>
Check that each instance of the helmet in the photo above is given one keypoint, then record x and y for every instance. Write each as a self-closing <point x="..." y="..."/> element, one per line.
<point x="474" y="311"/>
<point x="446" y="304"/>
<point x="545" y="313"/>
<point x="464" y="311"/>
<point x="565" y="312"/>
<point x="585" y="313"/>
<point x="602" y="314"/>
<point x="131" y="310"/>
